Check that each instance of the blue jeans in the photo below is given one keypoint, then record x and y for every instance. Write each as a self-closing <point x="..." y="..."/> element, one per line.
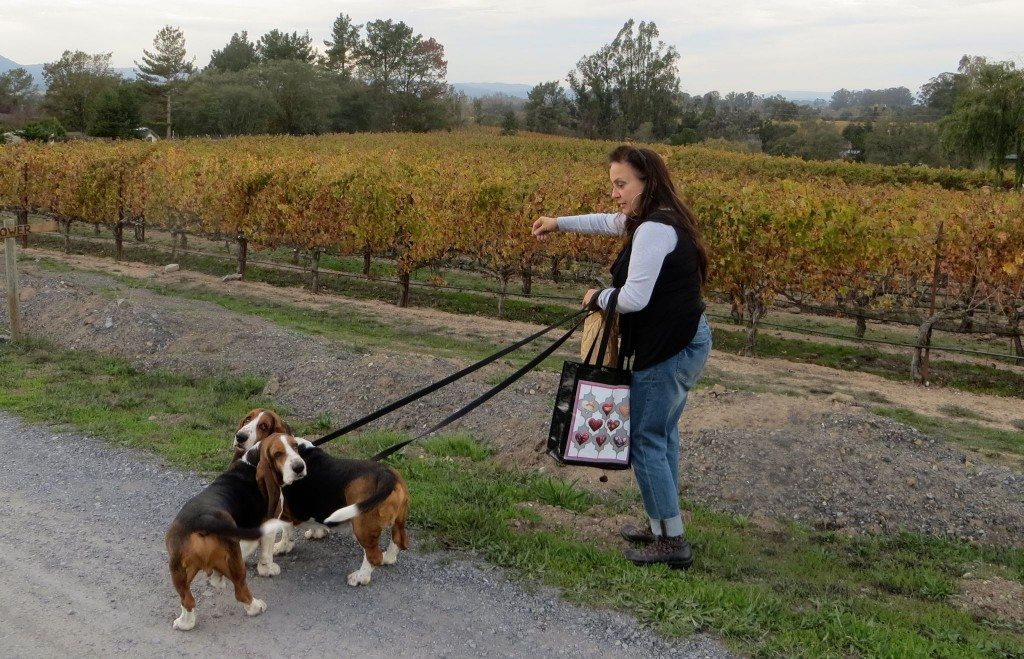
<point x="656" y="399"/>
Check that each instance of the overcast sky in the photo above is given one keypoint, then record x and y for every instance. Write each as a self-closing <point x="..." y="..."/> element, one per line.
<point x="756" y="45"/>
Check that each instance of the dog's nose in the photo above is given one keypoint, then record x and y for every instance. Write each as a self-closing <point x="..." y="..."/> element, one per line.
<point x="298" y="467"/>
<point x="240" y="437"/>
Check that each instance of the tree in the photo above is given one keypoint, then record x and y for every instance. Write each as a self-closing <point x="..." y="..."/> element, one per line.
<point x="490" y="109"/>
<point x="16" y="90"/>
<point x="388" y="47"/>
<point x="779" y="107"/>
<point x="940" y="92"/>
<point x="117" y="112"/>
<point x="510" y="125"/>
<point x="352" y="108"/>
<point x="302" y="94"/>
<point x="547" y="108"/>
<point x="774" y="138"/>
<point x="856" y="134"/>
<point x="897" y="143"/>
<point x="842" y="98"/>
<point x="813" y="140"/>
<point x="73" y="85"/>
<point x="166" y="66"/>
<point x="238" y="54"/>
<point x="407" y="75"/>
<point x="987" y="120"/>
<point x="340" y="54"/>
<point x="44" y="131"/>
<point x="629" y="82"/>
<point x="224" y="104"/>
<point x="277" y="45"/>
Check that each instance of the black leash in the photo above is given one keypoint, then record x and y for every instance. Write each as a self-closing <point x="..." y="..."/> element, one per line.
<point x="446" y="381"/>
<point x="483" y="398"/>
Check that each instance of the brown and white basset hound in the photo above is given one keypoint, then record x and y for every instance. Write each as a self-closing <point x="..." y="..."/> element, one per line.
<point x="256" y="426"/>
<point x="369" y="493"/>
<point x="218" y="527"/>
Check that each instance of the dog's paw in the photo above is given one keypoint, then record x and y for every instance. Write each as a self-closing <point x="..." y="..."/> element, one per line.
<point x="217" y="580"/>
<point x="186" y="621"/>
<point x="359" y="578"/>
<point x="268" y="570"/>
<point x="255" y="607"/>
<point x="317" y="533"/>
<point x="283" y="547"/>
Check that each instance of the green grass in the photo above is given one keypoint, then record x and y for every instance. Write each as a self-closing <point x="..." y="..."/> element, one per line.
<point x="977" y="378"/>
<point x="798" y="593"/>
<point x="966" y="434"/>
<point x="188" y="420"/>
<point x="960" y="412"/>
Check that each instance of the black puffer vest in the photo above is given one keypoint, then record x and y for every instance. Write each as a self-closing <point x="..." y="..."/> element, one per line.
<point x="669" y="321"/>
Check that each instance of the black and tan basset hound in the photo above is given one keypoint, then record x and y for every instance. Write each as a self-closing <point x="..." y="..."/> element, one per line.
<point x="216" y="529"/>
<point x="369" y="493"/>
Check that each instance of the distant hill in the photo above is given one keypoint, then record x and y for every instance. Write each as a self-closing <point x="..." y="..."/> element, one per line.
<point x="36" y="70"/>
<point x="801" y="96"/>
<point x="478" y="89"/>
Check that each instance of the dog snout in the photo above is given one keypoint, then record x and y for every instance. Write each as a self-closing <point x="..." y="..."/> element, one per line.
<point x="240" y="438"/>
<point x="298" y="467"/>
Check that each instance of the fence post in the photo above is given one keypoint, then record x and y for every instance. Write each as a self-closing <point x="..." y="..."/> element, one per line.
<point x="931" y="306"/>
<point x="11" y="265"/>
<point x="23" y="211"/>
<point x="243" y="251"/>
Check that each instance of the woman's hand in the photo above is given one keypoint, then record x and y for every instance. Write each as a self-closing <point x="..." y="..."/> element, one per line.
<point x="545" y="226"/>
<point x="589" y="296"/>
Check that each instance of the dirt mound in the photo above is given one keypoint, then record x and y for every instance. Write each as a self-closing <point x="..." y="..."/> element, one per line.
<point x="994" y="598"/>
<point x="799" y="457"/>
<point x="849" y="469"/>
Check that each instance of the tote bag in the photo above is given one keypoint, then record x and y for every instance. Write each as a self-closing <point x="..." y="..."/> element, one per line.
<point x="590" y="422"/>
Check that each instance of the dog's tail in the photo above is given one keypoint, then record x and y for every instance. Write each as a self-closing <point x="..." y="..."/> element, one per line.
<point x="226" y="528"/>
<point x="386" y="482"/>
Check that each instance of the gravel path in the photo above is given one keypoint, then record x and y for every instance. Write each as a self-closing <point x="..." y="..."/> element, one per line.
<point x="83" y="572"/>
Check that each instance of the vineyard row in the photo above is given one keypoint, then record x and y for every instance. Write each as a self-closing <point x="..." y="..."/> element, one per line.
<point x="429" y="198"/>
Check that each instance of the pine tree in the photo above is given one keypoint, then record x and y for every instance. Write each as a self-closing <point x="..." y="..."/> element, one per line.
<point x="166" y="67"/>
<point x="340" y="52"/>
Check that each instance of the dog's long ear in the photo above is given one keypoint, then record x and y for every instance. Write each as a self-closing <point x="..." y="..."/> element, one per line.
<point x="269" y="479"/>
<point x="279" y="423"/>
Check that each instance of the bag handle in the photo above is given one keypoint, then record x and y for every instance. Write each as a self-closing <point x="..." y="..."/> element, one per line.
<point x="606" y="331"/>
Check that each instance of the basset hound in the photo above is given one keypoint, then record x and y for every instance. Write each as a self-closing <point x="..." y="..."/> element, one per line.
<point x="216" y="529"/>
<point x="369" y="493"/>
<point x="256" y="426"/>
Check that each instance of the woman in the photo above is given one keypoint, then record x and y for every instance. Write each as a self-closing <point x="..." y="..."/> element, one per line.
<point x="659" y="272"/>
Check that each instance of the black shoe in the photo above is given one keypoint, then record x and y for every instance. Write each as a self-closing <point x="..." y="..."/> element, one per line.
<point x="673" y="552"/>
<point x="638" y="534"/>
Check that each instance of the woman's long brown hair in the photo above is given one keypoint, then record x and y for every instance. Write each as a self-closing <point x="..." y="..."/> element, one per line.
<point x="660" y="194"/>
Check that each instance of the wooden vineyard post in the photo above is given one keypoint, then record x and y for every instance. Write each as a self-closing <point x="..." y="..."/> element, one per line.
<point x="243" y="252"/>
<point x="931" y="309"/>
<point x="23" y="211"/>
<point x="11" y="268"/>
<point x="9" y="233"/>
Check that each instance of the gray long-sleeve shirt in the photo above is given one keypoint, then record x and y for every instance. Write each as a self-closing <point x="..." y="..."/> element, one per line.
<point x="652" y="242"/>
